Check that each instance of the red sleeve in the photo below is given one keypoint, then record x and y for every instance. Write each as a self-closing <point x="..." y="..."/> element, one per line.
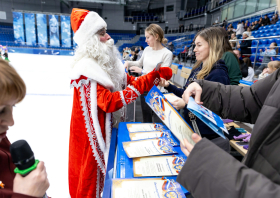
<point x="130" y="79"/>
<point x="112" y="101"/>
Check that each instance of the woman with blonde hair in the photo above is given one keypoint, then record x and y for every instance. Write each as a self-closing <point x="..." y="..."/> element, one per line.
<point x="35" y="184"/>
<point x="209" y="66"/>
<point x="152" y="55"/>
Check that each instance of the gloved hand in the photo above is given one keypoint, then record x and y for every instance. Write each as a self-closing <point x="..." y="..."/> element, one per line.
<point x="241" y="136"/>
<point x="165" y="72"/>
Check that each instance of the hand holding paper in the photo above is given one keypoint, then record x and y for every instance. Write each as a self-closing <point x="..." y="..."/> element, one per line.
<point x="178" y="104"/>
<point x="195" y="90"/>
<point x="186" y="147"/>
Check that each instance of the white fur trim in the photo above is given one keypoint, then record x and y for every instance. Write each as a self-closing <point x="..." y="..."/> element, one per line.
<point x="134" y="89"/>
<point x="108" y="130"/>
<point x="94" y="116"/>
<point x="87" y="124"/>
<point x="91" y="24"/>
<point x="89" y="67"/>
<point x="122" y="97"/>
<point x="81" y="82"/>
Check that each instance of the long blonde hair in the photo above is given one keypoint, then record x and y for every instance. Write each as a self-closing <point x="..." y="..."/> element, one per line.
<point x="154" y="30"/>
<point x="217" y="40"/>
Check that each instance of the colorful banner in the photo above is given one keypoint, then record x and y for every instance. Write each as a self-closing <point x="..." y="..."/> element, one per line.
<point x="54" y="31"/>
<point x="65" y="31"/>
<point x="30" y="29"/>
<point x="42" y="30"/>
<point x="18" y="28"/>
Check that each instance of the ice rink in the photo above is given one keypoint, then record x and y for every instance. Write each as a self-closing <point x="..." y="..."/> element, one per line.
<point x="43" y="117"/>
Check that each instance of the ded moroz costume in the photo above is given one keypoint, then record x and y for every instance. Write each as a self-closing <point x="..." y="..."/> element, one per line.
<point x="102" y="89"/>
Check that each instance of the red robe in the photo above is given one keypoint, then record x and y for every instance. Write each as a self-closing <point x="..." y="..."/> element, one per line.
<point x="90" y="131"/>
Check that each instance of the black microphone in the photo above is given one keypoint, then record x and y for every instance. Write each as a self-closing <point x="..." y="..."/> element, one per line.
<point x="23" y="157"/>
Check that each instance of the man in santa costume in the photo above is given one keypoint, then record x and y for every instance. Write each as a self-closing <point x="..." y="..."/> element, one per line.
<point x="102" y="89"/>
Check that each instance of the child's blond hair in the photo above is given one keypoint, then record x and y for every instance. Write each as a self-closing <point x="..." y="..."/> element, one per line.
<point x="274" y="65"/>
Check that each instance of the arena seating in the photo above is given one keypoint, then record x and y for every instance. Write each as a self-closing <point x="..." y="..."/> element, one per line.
<point x="141" y="17"/>
<point x="121" y="36"/>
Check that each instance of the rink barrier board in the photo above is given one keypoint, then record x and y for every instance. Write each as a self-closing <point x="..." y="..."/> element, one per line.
<point x="41" y="51"/>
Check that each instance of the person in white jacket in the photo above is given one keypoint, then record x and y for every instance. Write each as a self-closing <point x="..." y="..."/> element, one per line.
<point x="239" y="30"/>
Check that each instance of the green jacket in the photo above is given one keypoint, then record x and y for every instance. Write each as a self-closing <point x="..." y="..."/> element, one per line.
<point x="234" y="72"/>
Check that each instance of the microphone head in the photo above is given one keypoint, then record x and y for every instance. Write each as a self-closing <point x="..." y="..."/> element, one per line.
<point x="22" y="155"/>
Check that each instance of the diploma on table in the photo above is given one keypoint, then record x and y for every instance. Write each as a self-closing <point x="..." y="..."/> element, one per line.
<point x="158" y="166"/>
<point x="149" y="147"/>
<point x="145" y="127"/>
<point x="149" y="188"/>
<point x="169" y="115"/>
<point x="152" y="135"/>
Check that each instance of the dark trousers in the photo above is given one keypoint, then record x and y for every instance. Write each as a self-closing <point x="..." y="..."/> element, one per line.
<point x="148" y="115"/>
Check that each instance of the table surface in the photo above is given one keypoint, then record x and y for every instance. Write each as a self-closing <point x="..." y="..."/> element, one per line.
<point x="124" y="168"/>
<point x="240" y="149"/>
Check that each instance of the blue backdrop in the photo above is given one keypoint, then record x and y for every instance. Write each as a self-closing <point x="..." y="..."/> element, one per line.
<point x="30" y="29"/>
<point x="74" y="43"/>
<point x="18" y="27"/>
<point x="42" y="30"/>
<point x="65" y="31"/>
<point x="54" y="31"/>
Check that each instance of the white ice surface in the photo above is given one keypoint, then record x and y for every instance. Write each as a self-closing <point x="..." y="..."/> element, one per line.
<point x="43" y="117"/>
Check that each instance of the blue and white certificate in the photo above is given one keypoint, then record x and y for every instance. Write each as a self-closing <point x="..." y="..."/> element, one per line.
<point x="169" y="115"/>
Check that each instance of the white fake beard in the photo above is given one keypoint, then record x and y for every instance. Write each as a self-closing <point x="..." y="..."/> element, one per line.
<point x="106" y="55"/>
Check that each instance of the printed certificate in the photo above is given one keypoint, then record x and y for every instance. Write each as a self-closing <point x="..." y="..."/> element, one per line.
<point x="170" y="116"/>
<point x="150" y="147"/>
<point x="146" y="188"/>
<point x="132" y="128"/>
<point x="158" y="165"/>
<point x="171" y="97"/>
<point x="154" y="134"/>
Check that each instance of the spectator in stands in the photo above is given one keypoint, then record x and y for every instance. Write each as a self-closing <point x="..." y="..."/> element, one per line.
<point x="230" y="32"/>
<point x="184" y="53"/>
<point x="266" y="20"/>
<point x="257" y="25"/>
<point x="209" y="66"/>
<point x="133" y="56"/>
<point x="249" y="31"/>
<point x="225" y="22"/>
<point x="126" y="56"/>
<point x="239" y="31"/>
<point x="217" y="21"/>
<point x="152" y="55"/>
<point x="247" y="24"/>
<point x="231" y="61"/>
<point x="245" y="45"/>
<point x="175" y="59"/>
<point x="252" y="25"/>
<point x="233" y="37"/>
<point x="274" y="19"/>
<point x="243" y="66"/>
<point x="170" y="46"/>
<point x="141" y="49"/>
<point x="250" y="70"/>
<point x="269" y="53"/>
<point x="271" y="67"/>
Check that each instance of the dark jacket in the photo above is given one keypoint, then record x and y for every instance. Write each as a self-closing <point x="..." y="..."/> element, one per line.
<point x="243" y="68"/>
<point x="7" y="174"/>
<point x="210" y="172"/>
<point x="244" y="47"/>
<point x="257" y="27"/>
<point x="219" y="73"/>
<point x="274" y="20"/>
<point x="266" y="21"/>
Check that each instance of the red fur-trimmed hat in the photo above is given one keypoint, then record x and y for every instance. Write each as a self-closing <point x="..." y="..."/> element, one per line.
<point x="85" y="24"/>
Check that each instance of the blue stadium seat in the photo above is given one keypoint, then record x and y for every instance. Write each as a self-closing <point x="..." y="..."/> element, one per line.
<point x="274" y="34"/>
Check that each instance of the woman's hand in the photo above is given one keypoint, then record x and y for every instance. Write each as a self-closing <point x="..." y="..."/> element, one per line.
<point x="193" y="89"/>
<point x="179" y="104"/>
<point x="163" y="82"/>
<point x="35" y="184"/>
<point x="186" y="147"/>
<point x="126" y="65"/>
<point x="136" y="69"/>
